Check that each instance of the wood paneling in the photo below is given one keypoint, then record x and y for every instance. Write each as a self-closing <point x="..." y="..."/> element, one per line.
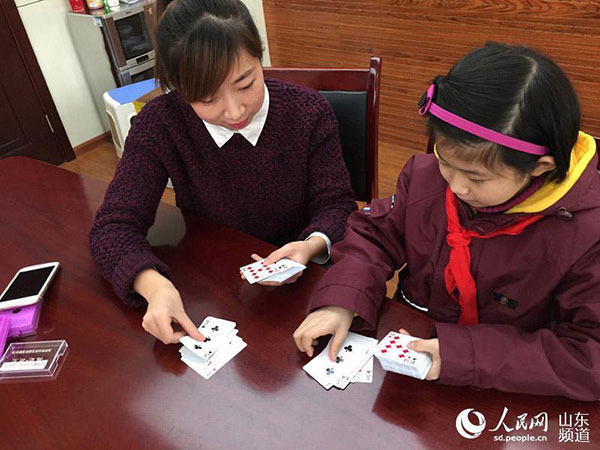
<point x="420" y="39"/>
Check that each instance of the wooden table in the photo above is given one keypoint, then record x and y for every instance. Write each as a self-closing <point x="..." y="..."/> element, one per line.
<point x="120" y="388"/>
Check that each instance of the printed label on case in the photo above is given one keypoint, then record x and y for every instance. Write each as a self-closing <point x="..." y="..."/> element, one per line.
<point x="12" y="366"/>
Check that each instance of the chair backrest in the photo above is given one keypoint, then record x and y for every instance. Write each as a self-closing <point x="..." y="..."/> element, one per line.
<point x="598" y="150"/>
<point x="354" y="98"/>
<point x="429" y="145"/>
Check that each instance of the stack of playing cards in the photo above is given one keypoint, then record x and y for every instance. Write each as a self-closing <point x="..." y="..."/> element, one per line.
<point x="220" y="345"/>
<point x="276" y="272"/>
<point x="396" y="357"/>
<point x="353" y="364"/>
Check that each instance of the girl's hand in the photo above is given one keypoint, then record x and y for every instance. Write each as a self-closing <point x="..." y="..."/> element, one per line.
<point x="164" y="308"/>
<point x="327" y="320"/>
<point x="300" y="251"/>
<point x="431" y="346"/>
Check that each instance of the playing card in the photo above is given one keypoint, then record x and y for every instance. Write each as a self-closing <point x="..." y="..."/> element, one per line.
<point x="286" y="274"/>
<point x="207" y="368"/>
<point x="346" y="378"/>
<point x="215" y="332"/>
<point x="258" y="271"/>
<point x="186" y="351"/>
<point x="322" y="369"/>
<point x="394" y="356"/>
<point x="365" y="374"/>
<point x="353" y="354"/>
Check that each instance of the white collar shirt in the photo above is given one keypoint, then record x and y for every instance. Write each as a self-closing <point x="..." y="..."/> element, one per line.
<point x="251" y="132"/>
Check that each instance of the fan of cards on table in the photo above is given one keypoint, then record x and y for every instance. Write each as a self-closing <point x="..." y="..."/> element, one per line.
<point x="220" y="345"/>
<point x="354" y="361"/>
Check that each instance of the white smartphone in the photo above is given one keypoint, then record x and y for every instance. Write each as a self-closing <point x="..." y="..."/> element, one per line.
<point x="28" y="285"/>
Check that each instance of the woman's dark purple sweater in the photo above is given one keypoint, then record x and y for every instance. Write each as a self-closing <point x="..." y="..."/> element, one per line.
<point x="292" y="183"/>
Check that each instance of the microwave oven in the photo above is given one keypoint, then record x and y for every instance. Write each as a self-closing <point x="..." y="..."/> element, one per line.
<point x="128" y="35"/>
<point x="143" y="71"/>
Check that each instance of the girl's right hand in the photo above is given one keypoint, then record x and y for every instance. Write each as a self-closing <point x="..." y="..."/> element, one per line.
<point x="326" y="320"/>
<point x="165" y="307"/>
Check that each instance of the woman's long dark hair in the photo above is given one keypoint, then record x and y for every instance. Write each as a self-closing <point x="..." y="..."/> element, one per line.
<point x="199" y="41"/>
<point x="516" y="91"/>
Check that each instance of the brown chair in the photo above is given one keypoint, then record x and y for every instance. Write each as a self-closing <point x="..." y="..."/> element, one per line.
<point x="354" y="98"/>
<point x="598" y="150"/>
<point x="429" y="145"/>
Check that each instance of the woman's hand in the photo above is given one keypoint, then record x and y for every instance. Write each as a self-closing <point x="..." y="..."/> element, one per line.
<point x="326" y="320"/>
<point x="431" y="346"/>
<point x="300" y="251"/>
<point x="164" y="308"/>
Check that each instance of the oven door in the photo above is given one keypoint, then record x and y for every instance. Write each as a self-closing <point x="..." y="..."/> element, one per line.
<point x="134" y="36"/>
<point x="140" y="72"/>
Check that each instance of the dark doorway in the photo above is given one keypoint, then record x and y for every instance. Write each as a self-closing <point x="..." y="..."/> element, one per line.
<point x="29" y="123"/>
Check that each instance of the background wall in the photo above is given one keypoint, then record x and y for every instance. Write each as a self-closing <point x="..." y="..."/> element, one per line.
<point x="420" y="39"/>
<point x="256" y="10"/>
<point x="45" y="23"/>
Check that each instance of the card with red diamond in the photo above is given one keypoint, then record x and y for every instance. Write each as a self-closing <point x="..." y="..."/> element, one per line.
<point x="277" y="272"/>
<point x="394" y="356"/>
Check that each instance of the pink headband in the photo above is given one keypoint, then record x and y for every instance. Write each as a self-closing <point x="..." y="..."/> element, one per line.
<point x="426" y="105"/>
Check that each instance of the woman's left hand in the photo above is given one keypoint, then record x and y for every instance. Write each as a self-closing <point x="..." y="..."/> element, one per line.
<point x="431" y="346"/>
<point x="300" y="251"/>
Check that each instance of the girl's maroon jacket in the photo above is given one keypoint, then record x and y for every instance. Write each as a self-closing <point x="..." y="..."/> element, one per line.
<point x="538" y="293"/>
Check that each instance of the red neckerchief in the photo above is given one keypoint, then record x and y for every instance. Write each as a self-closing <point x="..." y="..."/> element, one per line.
<point x="457" y="273"/>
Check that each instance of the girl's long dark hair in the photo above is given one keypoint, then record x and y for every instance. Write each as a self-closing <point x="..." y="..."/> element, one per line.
<point x="516" y="91"/>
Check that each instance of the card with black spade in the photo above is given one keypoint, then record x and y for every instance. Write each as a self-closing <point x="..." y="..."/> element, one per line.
<point x="365" y="374"/>
<point x="353" y="354"/>
<point x="207" y="368"/>
<point x="215" y="332"/>
<point x="361" y="359"/>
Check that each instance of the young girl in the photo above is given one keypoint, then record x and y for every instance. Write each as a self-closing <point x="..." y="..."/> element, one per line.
<point x="499" y="231"/>
<point x="257" y="155"/>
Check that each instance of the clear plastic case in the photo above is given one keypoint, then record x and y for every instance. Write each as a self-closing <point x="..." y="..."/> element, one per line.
<point x="33" y="360"/>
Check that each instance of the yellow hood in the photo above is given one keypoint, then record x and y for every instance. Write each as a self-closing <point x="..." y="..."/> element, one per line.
<point x="549" y="193"/>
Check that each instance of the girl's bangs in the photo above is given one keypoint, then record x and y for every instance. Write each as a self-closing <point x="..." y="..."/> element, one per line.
<point x="485" y="154"/>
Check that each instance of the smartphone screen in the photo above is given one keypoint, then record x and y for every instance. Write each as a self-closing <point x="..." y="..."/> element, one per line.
<point x="27" y="284"/>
